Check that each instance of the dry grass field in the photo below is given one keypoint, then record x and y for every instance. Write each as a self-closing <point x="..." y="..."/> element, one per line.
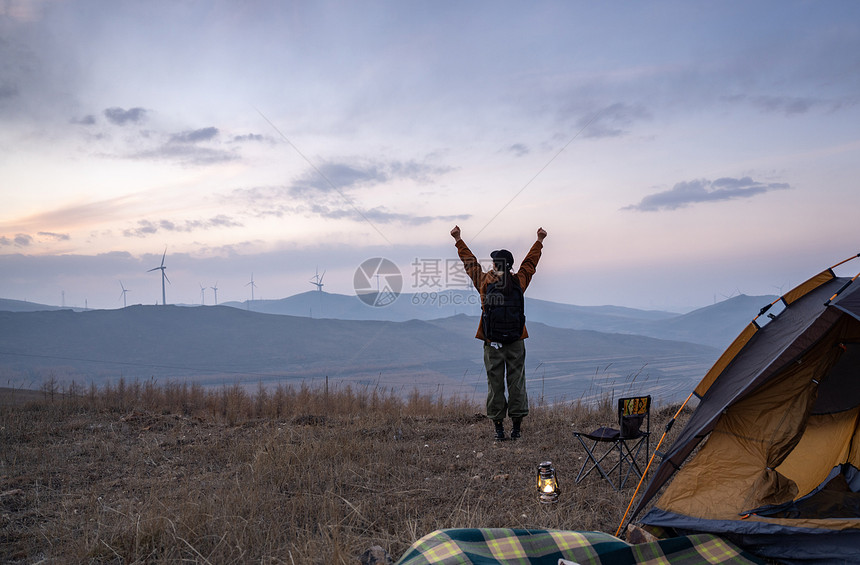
<point x="149" y="473"/>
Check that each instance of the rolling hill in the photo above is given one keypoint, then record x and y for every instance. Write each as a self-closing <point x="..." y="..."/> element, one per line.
<point x="9" y="305"/>
<point x="218" y="345"/>
<point x="716" y="325"/>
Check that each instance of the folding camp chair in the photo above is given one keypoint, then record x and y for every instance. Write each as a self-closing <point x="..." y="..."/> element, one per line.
<point x="627" y="440"/>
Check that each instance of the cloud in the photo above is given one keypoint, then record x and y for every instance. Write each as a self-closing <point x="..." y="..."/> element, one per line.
<point x="23" y="10"/>
<point x="188" y="154"/>
<point x="55" y="236"/>
<point x="75" y="216"/>
<point x="342" y="177"/>
<point x="8" y="91"/>
<point x="223" y="221"/>
<point x="120" y="117"/>
<point x="143" y="229"/>
<point x="787" y="105"/>
<point x="183" y="147"/>
<point x="329" y="190"/>
<point x="793" y="105"/>
<point x="416" y="171"/>
<point x="19" y="240"/>
<point x="193" y="136"/>
<point x="518" y="149"/>
<point x="249" y="137"/>
<point x="702" y="190"/>
<point x="330" y="177"/>
<point x="87" y="120"/>
<point x="23" y="239"/>
<point x="380" y="215"/>
<point x="612" y="121"/>
<point x="146" y="228"/>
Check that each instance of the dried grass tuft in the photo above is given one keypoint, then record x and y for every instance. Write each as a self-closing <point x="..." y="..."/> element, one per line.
<point x="147" y="472"/>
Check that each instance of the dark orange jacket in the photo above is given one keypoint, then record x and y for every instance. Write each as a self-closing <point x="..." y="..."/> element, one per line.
<point x="481" y="279"/>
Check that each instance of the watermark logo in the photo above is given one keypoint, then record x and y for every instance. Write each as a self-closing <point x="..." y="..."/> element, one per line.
<point x="439" y="282"/>
<point x="377" y="282"/>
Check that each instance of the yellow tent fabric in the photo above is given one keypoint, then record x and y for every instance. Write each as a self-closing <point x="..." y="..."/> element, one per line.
<point x="766" y="449"/>
<point x="828" y="440"/>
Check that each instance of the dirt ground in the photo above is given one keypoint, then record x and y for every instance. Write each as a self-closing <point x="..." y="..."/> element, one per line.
<point x="86" y="482"/>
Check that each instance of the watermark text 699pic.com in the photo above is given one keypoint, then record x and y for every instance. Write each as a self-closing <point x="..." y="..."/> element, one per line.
<point x="379" y="282"/>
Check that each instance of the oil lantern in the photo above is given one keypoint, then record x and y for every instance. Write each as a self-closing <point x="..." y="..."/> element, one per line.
<point x="547" y="483"/>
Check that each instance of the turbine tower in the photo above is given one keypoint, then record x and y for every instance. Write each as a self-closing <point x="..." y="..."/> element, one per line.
<point x="252" y="284"/>
<point x="317" y="280"/>
<point x="202" y="294"/>
<point x="122" y="295"/>
<point x="163" y="278"/>
<point x="215" y="290"/>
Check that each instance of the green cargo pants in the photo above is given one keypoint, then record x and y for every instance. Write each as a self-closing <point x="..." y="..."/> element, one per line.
<point x="506" y="364"/>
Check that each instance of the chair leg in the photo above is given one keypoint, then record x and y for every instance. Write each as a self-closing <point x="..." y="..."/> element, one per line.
<point x="631" y="454"/>
<point x="595" y="462"/>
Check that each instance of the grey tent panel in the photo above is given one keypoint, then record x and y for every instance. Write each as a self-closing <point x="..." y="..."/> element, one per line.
<point x="840" y="391"/>
<point x="787" y="545"/>
<point x="849" y="302"/>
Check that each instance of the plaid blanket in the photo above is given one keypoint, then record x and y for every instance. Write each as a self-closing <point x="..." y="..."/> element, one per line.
<point x="553" y="547"/>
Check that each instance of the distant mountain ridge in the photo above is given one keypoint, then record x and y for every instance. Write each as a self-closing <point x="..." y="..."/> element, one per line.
<point x="9" y="305"/>
<point x="422" y="306"/>
<point x="218" y="345"/>
<point x="716" y="325"/>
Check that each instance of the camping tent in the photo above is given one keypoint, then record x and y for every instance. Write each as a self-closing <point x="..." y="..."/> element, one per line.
<point x="779" y="472"/>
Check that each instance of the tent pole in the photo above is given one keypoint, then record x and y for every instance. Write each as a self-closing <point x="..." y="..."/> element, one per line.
<point x="845" y="261"/>
<point x="651" y="460"/>
<point x="844" y="286"/>
<point x="838" y="292"/>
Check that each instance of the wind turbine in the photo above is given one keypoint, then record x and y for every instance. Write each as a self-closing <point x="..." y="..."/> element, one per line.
<point x="252" y="284"/>
<point x="163" y="278"/>
<point x="317" y="280"/>
<point x="215" y="289"/>
<point x="124" y="290"/>
<point x="202" y="294"/>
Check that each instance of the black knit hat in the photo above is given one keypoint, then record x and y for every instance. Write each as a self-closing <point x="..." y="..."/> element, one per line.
<point x="503" y="255"/>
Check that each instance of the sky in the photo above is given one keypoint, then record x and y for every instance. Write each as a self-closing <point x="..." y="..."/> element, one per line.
<point x="677" y="153"/>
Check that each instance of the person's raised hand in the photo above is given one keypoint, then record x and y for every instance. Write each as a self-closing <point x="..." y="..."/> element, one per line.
<point x="541" y="233"/>
<point x="455" y="233"/>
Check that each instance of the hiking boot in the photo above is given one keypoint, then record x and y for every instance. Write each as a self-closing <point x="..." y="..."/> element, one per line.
<point x="500" y="430"/>
<point x="516" y="433"/>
